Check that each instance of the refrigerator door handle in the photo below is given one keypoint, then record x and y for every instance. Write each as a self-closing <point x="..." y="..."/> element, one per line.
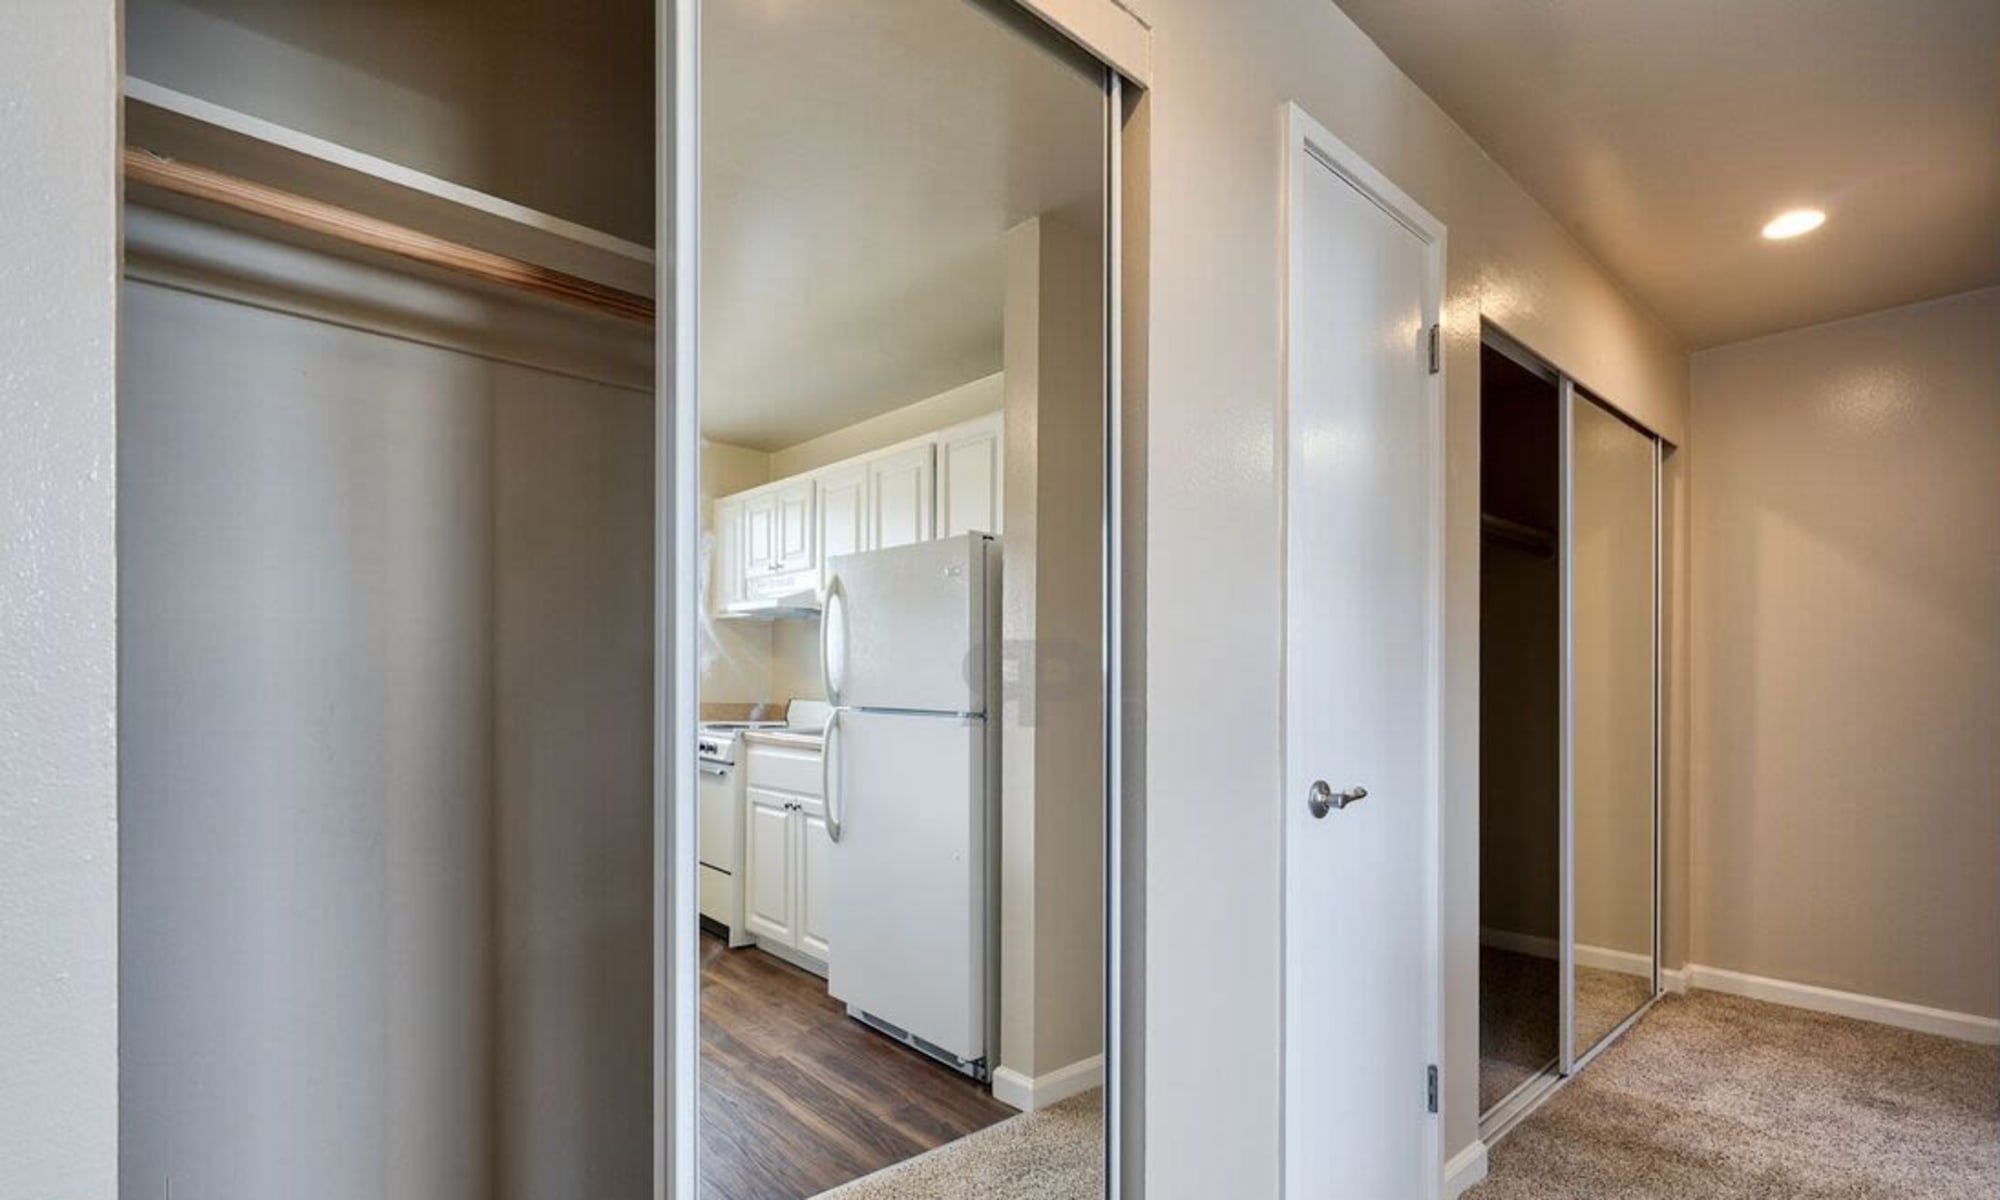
<point x="833" y="616"/>
<point x="829" y="776"/>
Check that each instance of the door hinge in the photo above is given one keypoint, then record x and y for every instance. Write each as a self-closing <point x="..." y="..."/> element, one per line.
<point x="1431" y="1088"/>
<point x="1435" y="352"/>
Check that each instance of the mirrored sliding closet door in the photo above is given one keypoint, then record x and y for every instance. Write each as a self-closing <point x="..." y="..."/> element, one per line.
<point x="1569" y="686"/>
<point x="1613" y="588"/>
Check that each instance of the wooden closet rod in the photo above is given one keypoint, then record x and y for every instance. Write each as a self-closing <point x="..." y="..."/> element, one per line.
<point x="317" y="216"/>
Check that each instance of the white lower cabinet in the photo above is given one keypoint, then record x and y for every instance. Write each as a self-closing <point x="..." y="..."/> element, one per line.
<point x="814" y="853"/>
<point x="770" y="866"/>
<point x="785" y="862"/>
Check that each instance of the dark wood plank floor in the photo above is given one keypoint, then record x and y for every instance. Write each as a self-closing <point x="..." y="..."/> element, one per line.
<point x="797" y="1098"/>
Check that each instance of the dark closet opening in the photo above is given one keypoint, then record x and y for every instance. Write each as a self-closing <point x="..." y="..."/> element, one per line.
<point x="1520" y="630"/>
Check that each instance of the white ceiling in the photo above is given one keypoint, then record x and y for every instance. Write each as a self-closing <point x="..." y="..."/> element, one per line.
<point x="1664" y="133"/>
<point x="861" y="162"/>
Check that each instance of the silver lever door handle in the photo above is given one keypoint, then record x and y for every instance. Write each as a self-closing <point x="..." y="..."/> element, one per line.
<point x="1322" y="799"/>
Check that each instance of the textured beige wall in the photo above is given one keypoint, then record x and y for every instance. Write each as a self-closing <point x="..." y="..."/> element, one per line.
<point x="1676" y="716"/>
<point x="1223" y="73"/>
<point x="1052" y="750"/>
<point x="1846" y="773"/>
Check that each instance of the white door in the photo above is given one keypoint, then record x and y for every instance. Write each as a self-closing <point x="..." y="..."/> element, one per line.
<point x="906" y="902"/>
<point x="899" y="497"/>
<point x="815" y="848"/>
<point x="906" y="628"/>
<point x="843" y="514"/>
<point x="769" y="868"/>
<point x="1361" y="670"/>
<point x="968" y="478"/>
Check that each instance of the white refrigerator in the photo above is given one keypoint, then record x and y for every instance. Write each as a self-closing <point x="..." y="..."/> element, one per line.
<point x="909" y="649"/>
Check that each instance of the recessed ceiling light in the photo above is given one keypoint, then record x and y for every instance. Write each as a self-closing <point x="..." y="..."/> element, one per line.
<point x="1792" y="224"/>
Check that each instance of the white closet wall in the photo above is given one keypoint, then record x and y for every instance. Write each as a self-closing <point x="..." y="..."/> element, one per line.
<point x="573" y="850"/>
<point x="306" y="623"/>
<point x="387" y="660"/>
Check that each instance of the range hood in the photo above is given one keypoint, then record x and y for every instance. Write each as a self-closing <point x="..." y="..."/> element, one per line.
<point x="772" y="610"/>
<point x="797" y="600"/>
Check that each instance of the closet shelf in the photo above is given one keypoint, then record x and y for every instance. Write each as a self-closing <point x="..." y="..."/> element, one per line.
<point x="143" y="169"/>
<point x="173" y="125"/>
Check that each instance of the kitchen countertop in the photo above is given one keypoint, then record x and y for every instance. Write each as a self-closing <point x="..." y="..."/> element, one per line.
<point x="797" y="738"/>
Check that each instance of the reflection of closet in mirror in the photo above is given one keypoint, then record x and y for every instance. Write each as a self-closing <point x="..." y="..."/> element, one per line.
<point x="1568" y="718"/>
<point x="1520" y="1019"/>
<point x="1613" y="604"/>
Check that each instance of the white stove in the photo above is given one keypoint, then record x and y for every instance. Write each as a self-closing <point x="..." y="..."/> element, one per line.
<point x="719" y="823"/>
<point x="719" y="742"/>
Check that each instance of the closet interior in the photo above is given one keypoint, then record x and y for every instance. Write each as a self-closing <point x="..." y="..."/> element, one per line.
<point x="386" y="495"/>
<point x="1569" y="717"/>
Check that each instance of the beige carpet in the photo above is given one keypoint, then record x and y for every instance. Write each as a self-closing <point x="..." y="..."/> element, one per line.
<point x="1056" y="1153"/>
<point x="1717" y="1098"/>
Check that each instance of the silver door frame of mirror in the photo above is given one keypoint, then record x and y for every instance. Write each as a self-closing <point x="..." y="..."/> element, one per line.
<point x="1121" y="44"/>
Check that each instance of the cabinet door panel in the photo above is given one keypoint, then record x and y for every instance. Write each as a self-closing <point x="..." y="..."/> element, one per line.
<point x="770" y="869"/>
<point x="969" y="470"/>
<point x="814" y="852"/>
<point x="900" y="498"/>
<point x="726" y="557"/>
<point x="760" y="533"/>
<point x="843" y="514"/>
<point x="795" y="526"/>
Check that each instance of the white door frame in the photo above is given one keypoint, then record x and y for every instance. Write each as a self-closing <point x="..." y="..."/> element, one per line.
<point x="1122" y="45"/>
<point x="1310" y="146"/>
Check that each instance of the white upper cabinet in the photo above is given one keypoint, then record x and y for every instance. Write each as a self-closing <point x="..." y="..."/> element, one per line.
<point x="760" y="533"/>
<point x="778" y="538"/>
<point x="797" y="538"/>
<point x="843" y="512"/>
<point x="777" y="530"/>
<point x="900" y="497"/>
<point x="726" y="554"/>
<point x="969" y="475"/>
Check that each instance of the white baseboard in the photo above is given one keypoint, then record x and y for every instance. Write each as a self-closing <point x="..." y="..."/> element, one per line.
<point x="1534" y="945"/>
<point x="1016" y="1090"/>
<point x="1466" y="1168"/>
<point x="1963" y="1026"/>
<point x="1623" y="962"/>
<point x="1673" y="981"/>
